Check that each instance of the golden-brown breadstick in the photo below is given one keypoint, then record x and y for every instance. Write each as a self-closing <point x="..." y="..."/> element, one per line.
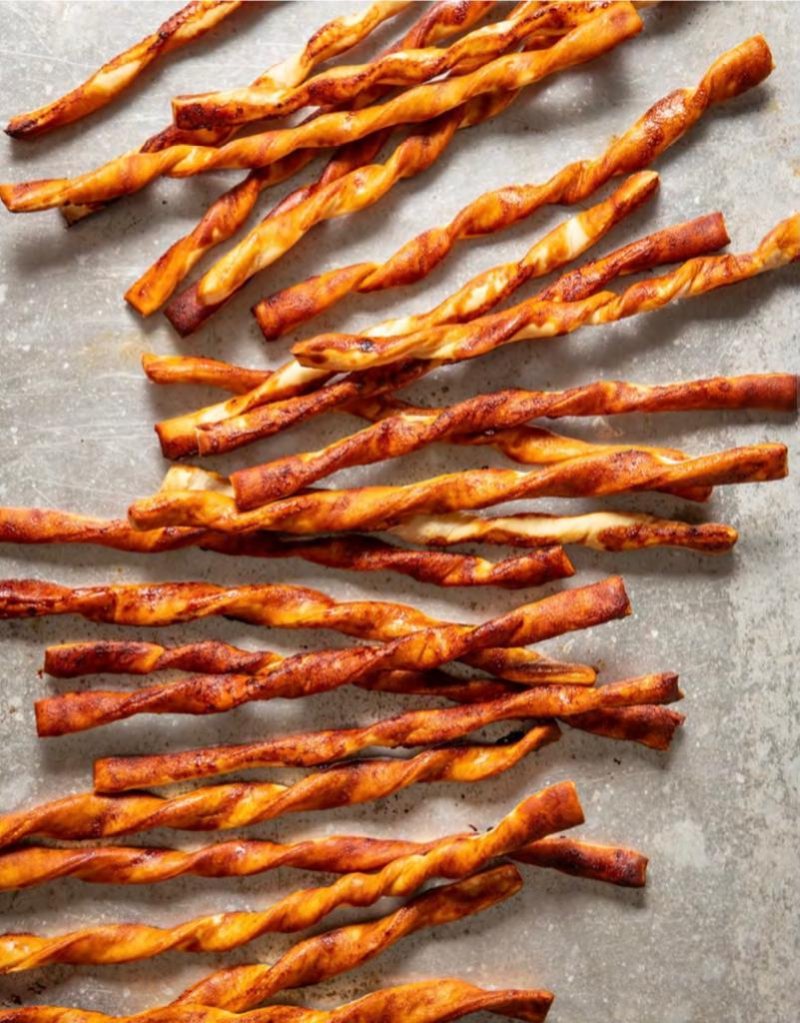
<point x="343" y="84"/>
<point x="454" y="857"/>
<point x="230" y="211"/>
<point x="401" y="427"/>
<point x="428" y="1001"/>
<point x="337" y="854"/>
<point x="414" y="728"/>
<point x="357" y="554"/>
<point x="602" y="530"/>
<point x="733" y="73"/>
<point x="186" y="26"/>
<point x="615" y="24"/>
<point x="375" y="508"/>
<point x="322" y="670"/>
<point x="544" y="318"/>
<point x="284" y="606"/>
<point x="672" y="244"/>
<point x="237" y="804"/>
<point x="318" y="958"/>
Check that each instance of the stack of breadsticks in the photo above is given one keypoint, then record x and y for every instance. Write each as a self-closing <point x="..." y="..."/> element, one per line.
<point x="447" y="72"/>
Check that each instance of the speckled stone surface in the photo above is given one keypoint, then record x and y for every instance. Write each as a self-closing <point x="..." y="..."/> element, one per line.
<point x="715" y="936"/>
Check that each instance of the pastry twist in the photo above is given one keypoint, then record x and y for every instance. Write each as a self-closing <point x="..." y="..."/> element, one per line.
<point x="318" y="671"/>
<point x="221" y="807"/>
<point x="616" y="23"/>
<point x="454" y="857"/>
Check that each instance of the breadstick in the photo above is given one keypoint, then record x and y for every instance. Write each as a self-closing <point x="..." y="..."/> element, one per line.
<point x="602" y="530"/>
<point x="237" y="804"/>
<point x="357" y="554"/>
<point x="375" y="508"/>
<point x="401" y="427"/>
<point x="318" y="958"/>
<point x="415" y="728"/>
<point x="230" y="211"/>
<point x="289" y="606"/>
<point x="343" y="84"/>
<point x="668" y="120"/>
<point x="129" y="173"/>
<point x="248" y="416"/>
<point x="186" y="26"/>
<point x="544" y="318"/>
<point x="451" y="858"/>
<point x="113" y="864"/>
<point x="321" y="670"/>
<point x="428" y="1001"/>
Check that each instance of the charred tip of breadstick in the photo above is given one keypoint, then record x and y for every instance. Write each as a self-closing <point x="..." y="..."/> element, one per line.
<point x="614" y="864"/>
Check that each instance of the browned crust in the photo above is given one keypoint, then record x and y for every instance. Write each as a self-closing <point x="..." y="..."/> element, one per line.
<point x="127" y="174"/>
<point x="452" y="857"/>
<point x="186" y="26"/>
<point x="429" y="1001"/>
<point x="357" y="554"/>
<point x="661" y="126"/>
<point x="321" y="670"/>
<point x="613" y="864"/>
<point x="538" y="319"/>
<point x="414" y="728"/>
<point x="379" y="507"/>
<point x="237" y="804"/>
<point x="230" y="211"/>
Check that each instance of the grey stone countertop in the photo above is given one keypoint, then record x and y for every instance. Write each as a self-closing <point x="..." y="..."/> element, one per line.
<point x="714" y="937"/>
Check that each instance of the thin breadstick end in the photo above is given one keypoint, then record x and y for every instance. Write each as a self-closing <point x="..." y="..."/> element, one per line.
<point x="612" y="864"/>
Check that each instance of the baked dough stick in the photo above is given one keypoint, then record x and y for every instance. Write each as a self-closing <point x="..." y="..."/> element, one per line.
<point x="237" y="804"/>
<point x="313" y="960"/>
<point x="670" y="245"/>
<point x="451" y="858"/>
<point x="601" y="530"/>
<point x="293" y="607"/>
<point x="538" y="319"/>
<point x="427" y="1001"/>
<point x="357" y="554"/>
<point x="319" y="671"/>
<point x="617" y="23"/>
<point x="337" y="854"/>
<point x="415" y="728"/>
<point x="663" y="124"/>
<point x="343" y="84"/>
<point x="497" y="420"/>
<point x="250" y="415"/>
<point x="379" y="507"/>
<point x="189" y="24"/>
<point x="230" y="211"/>
<point x="355" y="191"/>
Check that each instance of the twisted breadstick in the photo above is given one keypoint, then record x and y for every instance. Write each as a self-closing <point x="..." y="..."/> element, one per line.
<point x="186" y="26"/>
<point x="315" y="959"/>
<point x="733" y="73"/>
<point x="401" y="68"/>
<point x="238" y="420"/>
<point x="415" y="728"/>
<point x="375" y="508"/>
<point x="432" y="1001"/>
<point x="358" y="554"/>
<point x="401" y="428"/>
<point x="284" y="606"/>
<point x="603" y="530"/>
<point x="321" y="670"/>
<point x="539" y="318"/>
<point x="454" y="857"/>
<point x="129" y="173"/>
<point x="32" y="865"/>
<point x="221" y="807"/>
<point x="230" y="211"/>
<point x="350" y="193"/>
